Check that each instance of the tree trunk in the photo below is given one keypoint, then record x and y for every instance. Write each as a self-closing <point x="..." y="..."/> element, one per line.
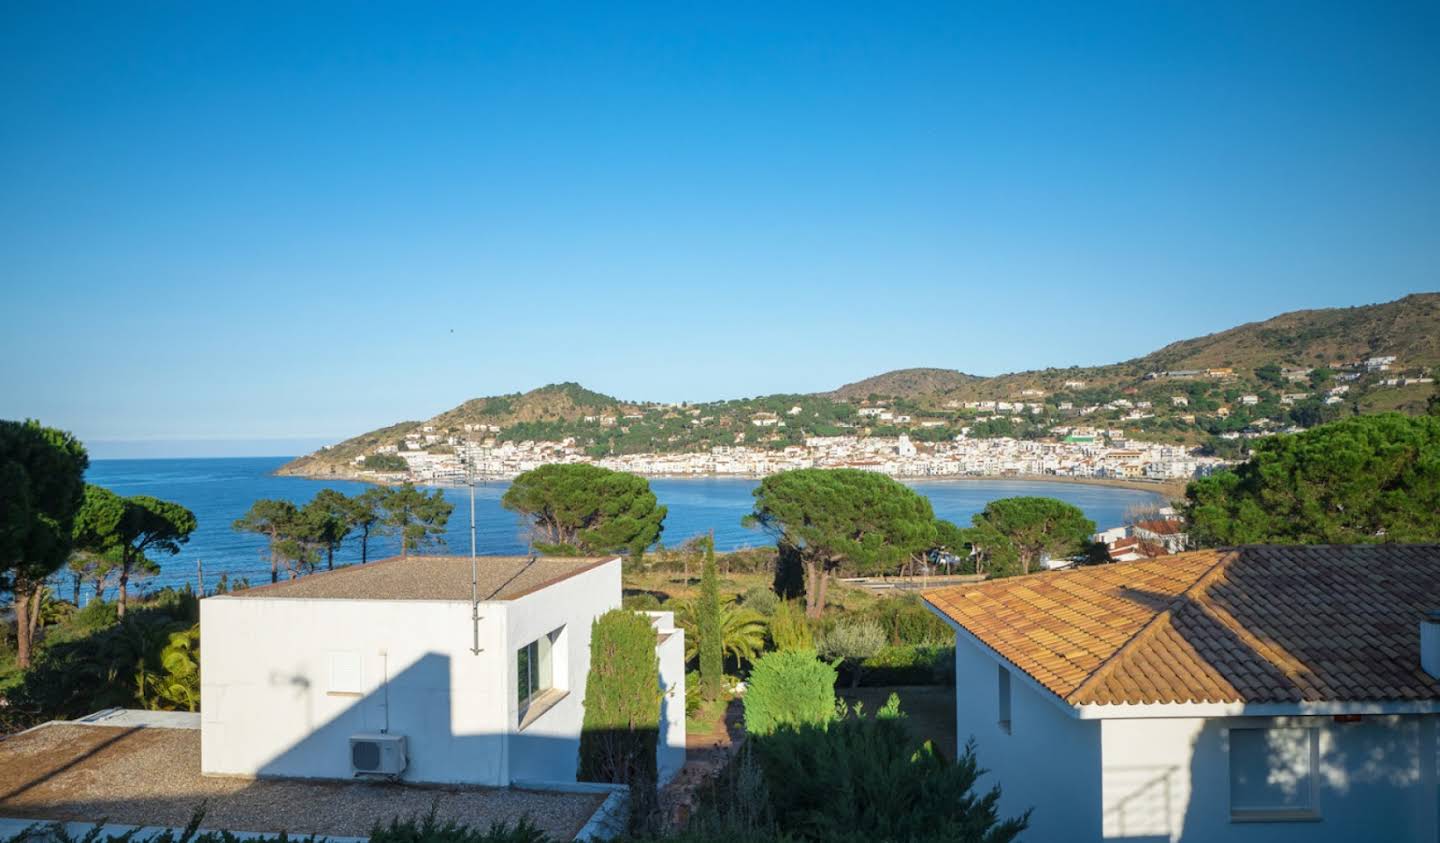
<point x="330" y="557"/>
<point x="824" y="585"/>
<point x="23" y="635"/>
<point x="35" y="611"/>
<point x="124" y="592"/>
<point x="274" y="557"/>
<point x="812" y="588"/>
<point x="365" y="545"/>
<point x="78" y="577"/>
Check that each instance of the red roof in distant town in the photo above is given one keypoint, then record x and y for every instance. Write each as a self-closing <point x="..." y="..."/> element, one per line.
<point x="1161" y="526"/>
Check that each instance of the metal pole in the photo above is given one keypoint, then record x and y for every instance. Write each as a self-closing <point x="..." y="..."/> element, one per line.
<point x="474" y="563"/>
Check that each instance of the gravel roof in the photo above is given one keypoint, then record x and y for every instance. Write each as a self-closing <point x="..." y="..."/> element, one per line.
<point x="431" y="578"/>
<point x="151" y="776"/>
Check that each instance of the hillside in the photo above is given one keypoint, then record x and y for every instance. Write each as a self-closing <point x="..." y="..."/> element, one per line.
<point x="905" y="383"/>
<point x="1293" y="371"/>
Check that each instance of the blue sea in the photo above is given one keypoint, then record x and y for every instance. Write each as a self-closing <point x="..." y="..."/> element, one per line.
<point x="219" y="491"/>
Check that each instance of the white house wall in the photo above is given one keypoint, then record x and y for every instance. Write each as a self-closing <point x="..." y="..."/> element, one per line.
<point x="547" y="749"/>
<point x="1168" y="780"/>
<point x="268" y="708"/>
<point x="1049" y="761"/>
<point x="670" y="754"/>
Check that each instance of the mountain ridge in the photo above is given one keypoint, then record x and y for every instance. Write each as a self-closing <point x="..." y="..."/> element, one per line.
<point x="1213" y="370"/>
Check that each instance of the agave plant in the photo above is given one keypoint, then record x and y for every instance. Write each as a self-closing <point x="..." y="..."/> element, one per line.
<point x="742" y="630"/>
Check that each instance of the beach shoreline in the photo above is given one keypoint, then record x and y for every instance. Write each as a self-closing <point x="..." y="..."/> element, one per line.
<point x="1169" y="489"/>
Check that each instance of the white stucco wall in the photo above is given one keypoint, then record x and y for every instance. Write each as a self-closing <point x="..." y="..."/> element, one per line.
<point x="1169" y="779"/>
<point x="547" y="749"/>
<point x="1049" y="761"/>
<point x="269" y="709"/>
<point x="670" y="754"/>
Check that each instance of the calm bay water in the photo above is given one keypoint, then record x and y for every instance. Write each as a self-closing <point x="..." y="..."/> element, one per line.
<point x="220" y="490"/>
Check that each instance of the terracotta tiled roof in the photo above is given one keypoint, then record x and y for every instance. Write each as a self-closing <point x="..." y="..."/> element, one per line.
<point x="1319" y="623"/>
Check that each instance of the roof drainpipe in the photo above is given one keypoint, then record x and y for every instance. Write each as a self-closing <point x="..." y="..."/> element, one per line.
<point x="1430" y="644"/>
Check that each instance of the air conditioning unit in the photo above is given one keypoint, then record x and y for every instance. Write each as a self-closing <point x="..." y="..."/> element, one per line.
<point x="377" y="754"/>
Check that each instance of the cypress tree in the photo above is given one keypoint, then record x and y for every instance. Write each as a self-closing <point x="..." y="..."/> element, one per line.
<point x="712" y="652"/>
<point x="622" y="702"/>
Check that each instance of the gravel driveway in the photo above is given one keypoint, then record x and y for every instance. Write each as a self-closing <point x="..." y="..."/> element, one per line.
<point x="151" y="776"/>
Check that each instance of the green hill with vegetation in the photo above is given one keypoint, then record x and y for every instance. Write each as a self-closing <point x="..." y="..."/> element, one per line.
<point x="1296" y="370"/>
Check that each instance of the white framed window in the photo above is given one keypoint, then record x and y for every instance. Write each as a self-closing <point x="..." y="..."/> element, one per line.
<point x="535" y="668"/>
<point x="1002" y="702"/>
<point x="1273" y="774"/>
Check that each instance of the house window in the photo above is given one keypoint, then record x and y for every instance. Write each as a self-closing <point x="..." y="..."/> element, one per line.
<point x="1003" y="702"/>
<point x="534" y="668"/>
<point x="1272" y="774"/>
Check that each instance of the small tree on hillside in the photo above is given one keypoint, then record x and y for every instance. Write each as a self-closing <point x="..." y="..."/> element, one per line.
<point x="416" y="518"/>
<point x="274" y="519"/>
<point x="363" y="514"/>
<point x="1027" y="529"/>
<point x="621" y="730"/>
<point x="842" y="516"/>
<point x="42" y="487"/>
<point x="129" y="530"/>
<point x="581" y="508"/>
<point x="712" y="653"/>
<point x="327" y="522"/>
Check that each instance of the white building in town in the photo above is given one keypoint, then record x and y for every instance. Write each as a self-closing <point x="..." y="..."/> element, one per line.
<point x="325" y="676"/>
<point x="1255" y="694"/>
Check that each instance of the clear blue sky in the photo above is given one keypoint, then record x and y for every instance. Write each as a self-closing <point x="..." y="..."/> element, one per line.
<point x="293" y="222"/>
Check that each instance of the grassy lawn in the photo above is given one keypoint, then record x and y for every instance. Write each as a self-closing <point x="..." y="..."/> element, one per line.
<point x="929" y="710"/>
<point x="666" y="585"/>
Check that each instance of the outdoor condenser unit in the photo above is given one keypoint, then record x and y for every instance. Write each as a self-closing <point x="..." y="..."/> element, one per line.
<point x="377" y="754"/>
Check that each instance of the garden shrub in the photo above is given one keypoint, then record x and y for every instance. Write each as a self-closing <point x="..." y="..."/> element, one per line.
<point x="622" y="702"/>
<point x="762" y="600"/>
<point x="909" y="664"/>
<point x="789" y="688"/>
<point x="866" y="778"/>
<point x="789" y="628"/>
<point x="642" y="601"/>
<point x="905" y="620"/>
<point x="851" y="643"/>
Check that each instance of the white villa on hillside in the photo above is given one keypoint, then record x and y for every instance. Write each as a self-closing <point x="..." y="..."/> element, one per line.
<point x="1254" y="694"/>
<point x="390" y="669"/>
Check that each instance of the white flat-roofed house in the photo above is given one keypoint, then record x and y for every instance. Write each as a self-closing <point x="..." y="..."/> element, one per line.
<point x="294" y="673"/>
<point x="1276" y="694"/>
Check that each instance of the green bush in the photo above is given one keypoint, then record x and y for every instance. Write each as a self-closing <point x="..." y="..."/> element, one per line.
<point x="907" y="621"/>
<point x="789" y="628"/>
<point x="789" y="688"/>
<point x="89" y="662"/>
<point x="867" y="779"/>
<point x="621" y="729"/>
<point x="641" y="602"/>
<point x="851" y="642"/>
<point x="910" y="664"/>
<point x="762" y="600"/>
<point x="385" y="462"/>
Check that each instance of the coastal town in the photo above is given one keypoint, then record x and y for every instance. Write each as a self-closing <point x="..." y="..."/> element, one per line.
<point x="1078" y="452"/>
